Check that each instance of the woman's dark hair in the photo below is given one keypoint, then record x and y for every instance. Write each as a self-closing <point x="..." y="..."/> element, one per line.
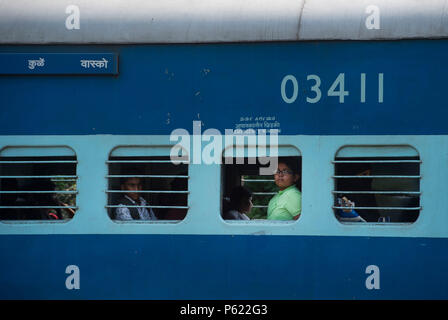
<point x="294" y="164"/>
<point x="238" y="196"/>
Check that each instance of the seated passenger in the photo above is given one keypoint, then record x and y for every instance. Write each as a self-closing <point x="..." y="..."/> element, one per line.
<point x="132" y="198"/>
<point x="240" y="204"/>
<point x="287" y="203"/>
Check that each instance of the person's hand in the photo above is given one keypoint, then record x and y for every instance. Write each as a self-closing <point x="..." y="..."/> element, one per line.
<point x="348" y="204"/>
<point x="69" y="210"/>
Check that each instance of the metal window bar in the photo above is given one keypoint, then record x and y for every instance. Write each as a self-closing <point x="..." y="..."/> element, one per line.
<point x="260" y="193"/>
<point x="147" y="161"/>
<point x="378" y="177"/>
<point x="36" y="161"/>
<point x="376" y="161"/>
<point x="147" y="176"/>
<point x="26" y="191"/>
<point x="157" y="207"/>
<point x="149" y="191"/>
<point x="380" y="208"/>
<point x="38" y="207"/>
<point x="38" y="177"/>
<point x="378" y="192"/>
<point x="263" y="193"/>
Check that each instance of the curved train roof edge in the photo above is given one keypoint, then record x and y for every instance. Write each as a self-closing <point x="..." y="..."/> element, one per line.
<point x="205" y="21"/>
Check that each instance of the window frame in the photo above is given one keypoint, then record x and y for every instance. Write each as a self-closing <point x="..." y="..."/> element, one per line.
<point x="36" y="152"/>
<point x="283" y="151"/>
<point x="404" y="151"/>
<point x="151" y="152"/>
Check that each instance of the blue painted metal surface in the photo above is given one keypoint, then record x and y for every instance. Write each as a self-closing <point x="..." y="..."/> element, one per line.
<point x="221" y="267"/>
<point x="161" y="88"/>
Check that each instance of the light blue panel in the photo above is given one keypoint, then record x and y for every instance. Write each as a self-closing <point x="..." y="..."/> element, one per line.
<point x="317" y="218"/>
<point x="377" y="151"/>
<point x="283" y="151"/>
<point x="141" y="151"/>
<point x="36" y="151"/>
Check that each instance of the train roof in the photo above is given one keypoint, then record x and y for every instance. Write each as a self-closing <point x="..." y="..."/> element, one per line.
<point x="207" y="21"/>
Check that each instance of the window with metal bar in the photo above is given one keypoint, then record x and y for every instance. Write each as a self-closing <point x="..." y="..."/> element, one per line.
<point x="38" y="183"/>
<point x="262" y="187"/>
<point x="147" y="187"/>
<point x="383" y="182"/>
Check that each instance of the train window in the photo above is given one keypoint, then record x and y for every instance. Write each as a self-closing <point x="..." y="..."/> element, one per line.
<point x="145" y="184"/>
<point x="382" y="183"/>
<point x="245" y="178"/>
<point x="37" y="183"/>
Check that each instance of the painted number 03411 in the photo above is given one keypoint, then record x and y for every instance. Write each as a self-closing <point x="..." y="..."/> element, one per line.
<point x="289" y="88"/>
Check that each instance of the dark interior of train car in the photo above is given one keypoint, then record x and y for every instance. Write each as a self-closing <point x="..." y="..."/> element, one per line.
<point x="164" y="185"/>
<point x="39" y="188"/>
<point x="368" y="185"/>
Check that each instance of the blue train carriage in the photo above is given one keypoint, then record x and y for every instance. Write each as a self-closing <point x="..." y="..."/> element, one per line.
<point x="92" y="93"/>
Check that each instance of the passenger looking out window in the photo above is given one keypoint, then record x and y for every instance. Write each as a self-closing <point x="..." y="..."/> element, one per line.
<point x="132" y="198"/>
<point x="287" y="203"/>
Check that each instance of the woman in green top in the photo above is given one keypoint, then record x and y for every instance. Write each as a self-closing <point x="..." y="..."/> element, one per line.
<point x="287" y="203"/>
